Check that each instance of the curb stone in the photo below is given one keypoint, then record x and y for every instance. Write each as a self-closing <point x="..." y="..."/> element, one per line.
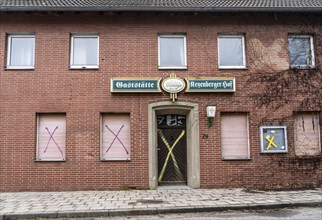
<point x="83" y="214"/>
<point x="176" y="210"/>
<point x="149" y="211"/>
<point x="154" y="211"/>
<point x="29" y="216"/>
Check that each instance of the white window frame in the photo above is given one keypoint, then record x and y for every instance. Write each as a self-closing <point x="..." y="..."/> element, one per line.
<point x="248" y="139"/>
<point x="10" y="36"/>
<point x="311" y="48"/>
<point x="184" y="50"/>
<point x="243" y="47"/>
<point x="72" y="66"/>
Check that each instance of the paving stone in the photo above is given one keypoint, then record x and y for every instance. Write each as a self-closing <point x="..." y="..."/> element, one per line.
<point x="128" y="202"/>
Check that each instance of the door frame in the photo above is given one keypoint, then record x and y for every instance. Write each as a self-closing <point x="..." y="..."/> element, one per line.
<point x="191" y="110"/>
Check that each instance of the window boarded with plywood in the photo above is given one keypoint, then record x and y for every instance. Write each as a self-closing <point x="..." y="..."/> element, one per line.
<point x="51" y="137"/>
<point x="307" y="134"/>
<point x="116" y="136"/>
<point x="234" y="136"/>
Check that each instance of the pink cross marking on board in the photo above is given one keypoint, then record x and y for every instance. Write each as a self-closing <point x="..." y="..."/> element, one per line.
<point x="116" y="137"/>
<point x="52" y="138"/>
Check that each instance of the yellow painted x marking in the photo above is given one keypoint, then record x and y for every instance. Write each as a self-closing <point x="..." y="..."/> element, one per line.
<point x="170" y="154"/>
<point x="270" y="142"/>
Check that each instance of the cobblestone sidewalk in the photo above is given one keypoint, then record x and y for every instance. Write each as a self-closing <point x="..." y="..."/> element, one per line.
<point x="134" y="202"/>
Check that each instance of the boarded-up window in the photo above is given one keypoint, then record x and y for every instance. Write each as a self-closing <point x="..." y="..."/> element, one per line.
<point x="307" y="134"/>
<point x="234" y="136"/>
<point x="51" y="137"/>
<point x="116" y="137"/>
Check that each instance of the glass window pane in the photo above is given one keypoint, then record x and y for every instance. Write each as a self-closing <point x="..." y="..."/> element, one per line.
<point x="230" y="51"/>
<point x="22" y="51"/>
<point x="300" y="51"/>
<point x="172" y="52"/>
<point x="85" y="51"/>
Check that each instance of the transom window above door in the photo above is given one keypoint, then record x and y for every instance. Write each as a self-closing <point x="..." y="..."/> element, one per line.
<point x="172" y="52"/>
<point x="171" y="120"/>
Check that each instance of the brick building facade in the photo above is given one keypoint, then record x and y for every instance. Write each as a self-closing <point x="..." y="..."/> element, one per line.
<point x="265" y="133"/>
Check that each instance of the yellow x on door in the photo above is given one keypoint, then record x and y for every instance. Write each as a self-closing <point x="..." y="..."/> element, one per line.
<point x="170" y="149"/>
<point x="270" y="142"/>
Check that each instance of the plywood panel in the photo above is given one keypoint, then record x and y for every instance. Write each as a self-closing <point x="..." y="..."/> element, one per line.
<point x="116" y="137"/>
<point x="307" y="134"/>
<point x="51" y="137"/>
<point x="234" y="136"/>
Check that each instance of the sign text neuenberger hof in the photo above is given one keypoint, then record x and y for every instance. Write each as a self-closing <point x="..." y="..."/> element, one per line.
<point x="211" y="84"/>
<point x="135" y="84"/>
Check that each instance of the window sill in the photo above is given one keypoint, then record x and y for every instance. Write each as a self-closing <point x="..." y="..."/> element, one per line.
<point x="236" y="158"/>
<point x="50" y="160"/>
<point x="19" y="68"/>
<point x="173" y="68"/>
<point x="115" y="160"/>
<point x="302" y="67"/>
<point x="274" y="152"/>
<point x="232" y="68"/>
<point x="308" y="156"/>
<point x="83" y="67"/>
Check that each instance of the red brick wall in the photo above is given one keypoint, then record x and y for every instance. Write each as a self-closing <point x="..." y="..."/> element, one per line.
<point x="128" y="48"/>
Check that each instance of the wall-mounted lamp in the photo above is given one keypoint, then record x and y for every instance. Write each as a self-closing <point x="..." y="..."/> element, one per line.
<point x="211" y="112"/>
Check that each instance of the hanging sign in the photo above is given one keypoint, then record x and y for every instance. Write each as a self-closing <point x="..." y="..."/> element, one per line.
<point x="211" y="84"/>
<point x="173" y="85"/>
<point x="135" y="85"/>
